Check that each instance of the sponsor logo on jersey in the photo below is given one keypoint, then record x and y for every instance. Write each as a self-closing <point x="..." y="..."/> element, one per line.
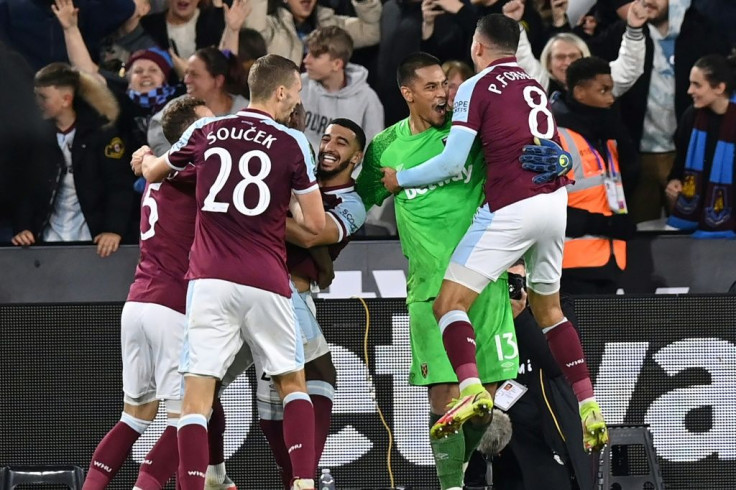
<point x="460" y="106"/>
<point x="464" y="176"/>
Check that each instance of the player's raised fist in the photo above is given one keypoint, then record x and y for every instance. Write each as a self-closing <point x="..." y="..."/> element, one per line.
<point x="136" y="160"/>
<point x="389" y="180"/>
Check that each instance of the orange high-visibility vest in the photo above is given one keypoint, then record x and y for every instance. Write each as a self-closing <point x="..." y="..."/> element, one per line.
<point x="589" y="193"/>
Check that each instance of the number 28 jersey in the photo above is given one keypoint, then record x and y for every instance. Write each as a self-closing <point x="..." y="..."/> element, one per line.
<point x="247" y="166"/>
<point x="506" y="108"/>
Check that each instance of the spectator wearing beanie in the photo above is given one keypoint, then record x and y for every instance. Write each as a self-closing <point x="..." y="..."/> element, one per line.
<point x="213" y="76"/>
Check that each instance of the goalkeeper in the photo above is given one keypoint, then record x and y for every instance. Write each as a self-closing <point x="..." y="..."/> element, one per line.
<point x="431" y="221"/>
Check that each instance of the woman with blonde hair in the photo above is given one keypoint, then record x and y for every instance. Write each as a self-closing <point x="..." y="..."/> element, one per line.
<point x="562" y="49"/>
<point x="456" y="72"/>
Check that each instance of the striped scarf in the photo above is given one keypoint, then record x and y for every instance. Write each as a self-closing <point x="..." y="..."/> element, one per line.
<point x="706" y="207"/>
<point x="155" y="99"/>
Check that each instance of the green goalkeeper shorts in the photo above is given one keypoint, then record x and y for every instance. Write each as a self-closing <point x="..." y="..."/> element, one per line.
<point x="497" y="352"/>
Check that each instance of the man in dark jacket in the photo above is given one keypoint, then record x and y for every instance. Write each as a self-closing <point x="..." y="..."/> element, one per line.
<point x="21" y="138"/>
<point x="545" y="451"/>
<point x="605" y="163"/>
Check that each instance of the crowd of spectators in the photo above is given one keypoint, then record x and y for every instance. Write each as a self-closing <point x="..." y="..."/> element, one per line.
<point x="103" y="70"/>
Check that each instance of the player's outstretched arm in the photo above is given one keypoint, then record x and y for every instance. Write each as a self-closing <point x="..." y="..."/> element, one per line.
<point x="297" y="235"/>
<point x="447" y="164"/>
<point x="368" y="185"/>
<point x="312" y="219"/>
<point x="155" y="169"/>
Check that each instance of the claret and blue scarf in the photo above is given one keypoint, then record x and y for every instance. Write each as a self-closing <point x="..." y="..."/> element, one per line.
<point x="706" y="207"/>
<point x="156" y="98"/>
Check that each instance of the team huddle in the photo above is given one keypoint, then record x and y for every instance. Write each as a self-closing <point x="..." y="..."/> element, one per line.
<point x="239" y="225"/>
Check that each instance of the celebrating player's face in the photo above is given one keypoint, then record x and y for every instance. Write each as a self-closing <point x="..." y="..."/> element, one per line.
<point x="289" y="100"/>
<point x="337" y="150"/>
<point x="427" y="95"/>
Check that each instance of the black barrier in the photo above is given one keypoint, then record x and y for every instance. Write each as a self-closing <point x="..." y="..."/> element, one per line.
<point x="667" y="361"/>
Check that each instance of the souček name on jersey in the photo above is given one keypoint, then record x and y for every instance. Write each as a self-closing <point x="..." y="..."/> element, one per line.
<point x="464" y="176"/>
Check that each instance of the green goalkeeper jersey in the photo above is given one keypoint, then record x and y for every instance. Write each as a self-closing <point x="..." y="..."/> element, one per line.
<point x="432" y="219"/>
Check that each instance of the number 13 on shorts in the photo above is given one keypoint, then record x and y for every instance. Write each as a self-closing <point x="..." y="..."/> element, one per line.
<point x="506" y="347"/>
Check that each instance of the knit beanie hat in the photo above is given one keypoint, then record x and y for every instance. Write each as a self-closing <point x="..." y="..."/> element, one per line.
<point x="158" y="56"/>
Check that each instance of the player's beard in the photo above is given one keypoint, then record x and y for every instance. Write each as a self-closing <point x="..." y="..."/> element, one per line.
<point x="325" y="174"/>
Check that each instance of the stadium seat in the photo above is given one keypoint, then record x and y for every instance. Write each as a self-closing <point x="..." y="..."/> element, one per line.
<point x="37" y="476"/>
<point x="629" y="461"/>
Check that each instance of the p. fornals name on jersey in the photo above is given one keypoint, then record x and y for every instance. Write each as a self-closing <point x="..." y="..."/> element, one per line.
<point x="464" y="175"/>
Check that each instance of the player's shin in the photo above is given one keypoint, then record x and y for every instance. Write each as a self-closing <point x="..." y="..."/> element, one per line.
<point x="216" y="441"/>
<point x="458" y="338"/>
<point x="321" y="393"/>
<point x="271" y="420"/>
<point x="299" y="434"/>
<point x="161" y="461"/>
<point x="113" y="450"/>
<point x="567" y="350"/>
<point x="193" y="451"/>
<point x="192" y="433"/>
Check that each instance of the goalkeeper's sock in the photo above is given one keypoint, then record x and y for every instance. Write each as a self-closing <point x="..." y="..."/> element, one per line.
<point x="473" y="434"/>
<point x="448" y="455"/>
<point x="113" y="450"/>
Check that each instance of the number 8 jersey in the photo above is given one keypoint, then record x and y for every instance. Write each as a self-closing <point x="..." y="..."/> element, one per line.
<point x="506" y="108"/>
<point x="247" y="166"/>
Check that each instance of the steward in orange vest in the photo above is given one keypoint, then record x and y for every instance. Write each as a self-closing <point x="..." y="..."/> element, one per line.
<point x="598" y="223"/>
